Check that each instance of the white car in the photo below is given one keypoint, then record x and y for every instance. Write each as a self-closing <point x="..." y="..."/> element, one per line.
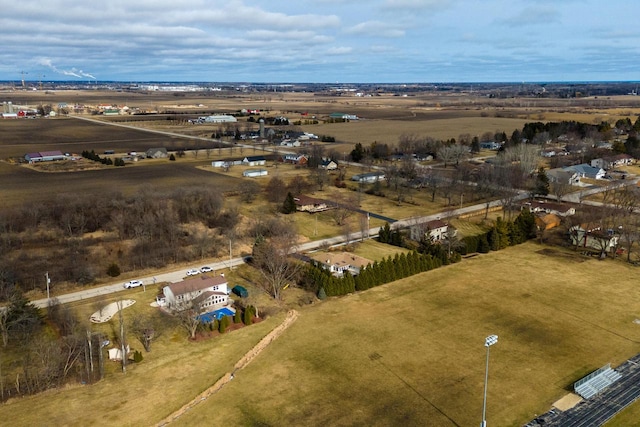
<point x="193" y="272"/>
<point x="132" y="284"/>
<point x="206" y="269"/>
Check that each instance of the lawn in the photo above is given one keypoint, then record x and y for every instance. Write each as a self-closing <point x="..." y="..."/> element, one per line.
<point x="411" y="352"/>
<point x="406" y="353"/>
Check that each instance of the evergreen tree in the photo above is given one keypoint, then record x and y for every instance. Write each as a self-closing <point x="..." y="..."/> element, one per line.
<point x="542" y="183"/>
<point x="289" y="204"/>
<point x="322" y="295"/>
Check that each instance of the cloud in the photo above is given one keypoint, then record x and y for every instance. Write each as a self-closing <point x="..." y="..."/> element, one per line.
<point x="416" y="4"/>
<point x="375" y="29"/>
<point x="341" y="50"/>
<point x="536" y="15"/>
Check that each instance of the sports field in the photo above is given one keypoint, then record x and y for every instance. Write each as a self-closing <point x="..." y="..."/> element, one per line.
<point x="407" y="353"/>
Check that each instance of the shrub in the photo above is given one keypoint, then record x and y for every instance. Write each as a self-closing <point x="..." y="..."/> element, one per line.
<point x="137" y="356"/>
<point x="224" y="324"/>
<point x="237" y="318"/>
<point x="113" y="270"/>
<point x="172" y="157"/>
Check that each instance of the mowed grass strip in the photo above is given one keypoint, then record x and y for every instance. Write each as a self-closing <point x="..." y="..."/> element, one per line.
<point x="412" y="352"/>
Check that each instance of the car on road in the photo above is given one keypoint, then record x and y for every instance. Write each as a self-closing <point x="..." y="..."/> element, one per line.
<point x="132" y="284"/>
<point x="206" y="269"/>
<point x="193" y="272"/>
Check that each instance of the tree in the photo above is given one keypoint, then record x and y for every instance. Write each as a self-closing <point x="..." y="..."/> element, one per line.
<point x="289" y="204"/>
<point x="542" y="183"/>
<point x="276" y="190"/>
<point x="249" y="190"/>
<point x="357" y="153"/>
<point x="145" y="329"/>
<point x="271" y="258"/>
<point x="188" y="314"/>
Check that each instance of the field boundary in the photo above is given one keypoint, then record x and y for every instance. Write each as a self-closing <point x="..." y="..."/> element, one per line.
<point x="292" y="315"/>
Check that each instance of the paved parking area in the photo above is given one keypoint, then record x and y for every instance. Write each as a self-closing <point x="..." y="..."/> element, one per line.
<point x="603" y="406"/>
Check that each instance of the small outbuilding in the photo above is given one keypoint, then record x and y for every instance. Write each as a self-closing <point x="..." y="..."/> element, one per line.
<point x="254" y="173"/>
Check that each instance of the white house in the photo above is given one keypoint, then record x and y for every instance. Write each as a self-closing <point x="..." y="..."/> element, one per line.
<point x="586" y="171"/>
<point x="209" y="292"/>
<point x="612" y="162"/>
<point x="437" y="230"/>
<point x="593" y="236"/>
<point x="339" y="262"/>
<point x="328" y="164"/>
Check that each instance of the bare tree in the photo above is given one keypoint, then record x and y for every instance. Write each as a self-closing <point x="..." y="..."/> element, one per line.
<point x="145" y="329"/>
<point x="271" y="257"/>
<point x="188" y="313"/>
<point x="343" y="207"/>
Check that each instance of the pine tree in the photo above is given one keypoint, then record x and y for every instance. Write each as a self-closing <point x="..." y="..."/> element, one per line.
<point x="289" y="204"/>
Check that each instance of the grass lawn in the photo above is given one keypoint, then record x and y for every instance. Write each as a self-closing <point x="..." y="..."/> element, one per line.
<point x="411" y="352"/>
<point x="407" y="353"/>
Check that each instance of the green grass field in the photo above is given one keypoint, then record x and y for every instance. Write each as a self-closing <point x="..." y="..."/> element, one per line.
<point x="407" y="353"/>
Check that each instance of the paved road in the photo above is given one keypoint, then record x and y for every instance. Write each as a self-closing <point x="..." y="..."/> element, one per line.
<point x="149" y="281"/>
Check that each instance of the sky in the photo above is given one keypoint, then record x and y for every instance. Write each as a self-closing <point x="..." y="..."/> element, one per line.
<point x="320" y="41"/>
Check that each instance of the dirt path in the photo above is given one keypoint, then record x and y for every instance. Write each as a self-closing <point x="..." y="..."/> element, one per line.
<point x="292" y="315"/>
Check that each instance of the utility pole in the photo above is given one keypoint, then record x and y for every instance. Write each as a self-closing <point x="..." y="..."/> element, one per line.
<point x="46" y="275"/>
<point x="230" y="265"/>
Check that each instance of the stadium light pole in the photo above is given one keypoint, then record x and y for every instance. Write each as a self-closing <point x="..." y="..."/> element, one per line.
<point x="488" y="342"/>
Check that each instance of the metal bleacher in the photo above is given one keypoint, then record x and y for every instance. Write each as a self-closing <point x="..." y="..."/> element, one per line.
<point x="596" y="381"/>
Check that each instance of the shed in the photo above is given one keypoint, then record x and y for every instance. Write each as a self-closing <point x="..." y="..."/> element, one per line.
<point x="253" y="173"/>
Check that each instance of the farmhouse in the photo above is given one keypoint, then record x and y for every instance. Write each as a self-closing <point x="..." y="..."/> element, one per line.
<point x="490" y="145"/>
<point x="254" y="161"/>
<point x="205" y="291"/>
<point x="339" y="262"/>
<point x="254" y="173"/>
<point x="44" y="156"/>
<point x="368" y="177"/>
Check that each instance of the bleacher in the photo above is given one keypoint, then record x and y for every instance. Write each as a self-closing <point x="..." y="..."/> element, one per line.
<point x="596" y="381"/>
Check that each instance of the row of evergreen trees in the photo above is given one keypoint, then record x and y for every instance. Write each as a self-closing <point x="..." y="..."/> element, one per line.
<point x="502" y="234"/>
<point x="380" y="272"/>
<point x="91" y="155"/>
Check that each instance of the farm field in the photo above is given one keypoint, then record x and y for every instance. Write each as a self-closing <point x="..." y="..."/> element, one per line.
<point x="406" y="353"/>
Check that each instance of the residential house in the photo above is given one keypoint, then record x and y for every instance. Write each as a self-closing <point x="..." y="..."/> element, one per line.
<point x="368" y="177"/>
<point x="542" y="206"/>
<point x="586" y="171"/>
<point x="593" y="236"/>
<point x="328" y="164"/>
<point x="343" y="116"/>
<point x="436" y="230"/>
<point x="157" y="153"/>
<point x="559" y="175"/>
<point x="310" y="204"/>
<point x="208" y="292"/>
<point x="295" y="159"/>
<point x="254" y="161"/>
<point x="339" y="262"/>
<point x="612" y="162"/>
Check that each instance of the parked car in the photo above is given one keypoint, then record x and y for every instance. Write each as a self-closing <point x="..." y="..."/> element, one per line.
<point x="132" y="284"/>
<point x="206" y="269"/>
<point x="193" y="272"/>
